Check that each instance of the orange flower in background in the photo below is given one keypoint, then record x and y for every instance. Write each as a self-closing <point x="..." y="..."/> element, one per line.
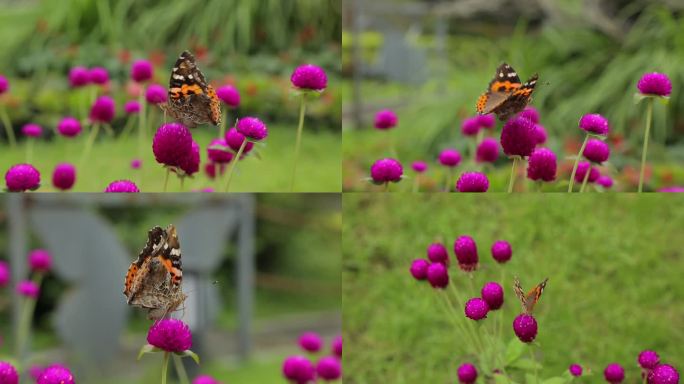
<point x="158" y="58"/>
<point x="124" y="56"/>
<point x="252" y="89"/>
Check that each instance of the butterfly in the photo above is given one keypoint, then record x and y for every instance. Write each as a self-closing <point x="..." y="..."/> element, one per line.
<point x="154" y="280"/>
<point x="506" y="96"/>
<point x="529" y="299"/>
<point x="191" y="100"/>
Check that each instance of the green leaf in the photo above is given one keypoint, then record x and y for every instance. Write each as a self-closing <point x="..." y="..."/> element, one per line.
<point x="526" y="364"/>
<point x="664" y="100"/>
<point x="502" y="379"/>
<point x="148" y="348"/>
<point x="514" y="350"/>
<point x="190" y="353"/>
<point x="555" y="380"/>
<point x="530" y="379"/>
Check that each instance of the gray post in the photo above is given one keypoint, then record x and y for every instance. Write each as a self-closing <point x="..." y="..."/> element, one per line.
<point x="357" y="111"/>
<point x="17" y="240"/>
<point x="245" y="275"/>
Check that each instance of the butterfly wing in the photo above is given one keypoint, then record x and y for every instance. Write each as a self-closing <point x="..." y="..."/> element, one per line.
<point x="155" y="240"/>
<point x="520" y="293"/>
<point x="194" y="101"/>
<point x="516" y="100"/>
<point x="504" y="83"/>
<point x="534" y="295"/>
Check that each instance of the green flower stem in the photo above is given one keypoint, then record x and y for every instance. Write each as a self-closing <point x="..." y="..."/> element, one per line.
<point x="234" y="162"/>
<point x="457" y="320"/>
<point x="141" y="124"/>
<point x="8" y="126"/>
<point x="536" y="370"/>
<point x="165" y="366"/>
<point x="450" y="176"/>
<point x="25" y="320"/>
<point x="126" y="129"/>
<point x="574" y="167"/>
<point x="180" y="370"/>
<point x="480" y="136"/>
<point x="649" y="117"/>
<point x="89" y="144"/>
<point x="29" y="149"/>
<point x="586" y="177"/>
<point x="224" y="121"/>
<point x="511" y="182"/>
<point x="182" y="181"/>
<point x="300" y="128"/>
<point x="166" y="178"/>
<point x="416" y="183"/>
<point x="386" y="186"/>
<point x="473" y="332"/>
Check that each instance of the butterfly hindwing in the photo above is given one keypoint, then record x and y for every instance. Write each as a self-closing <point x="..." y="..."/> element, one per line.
<point x="506" y="95"/>
<point x="529" y="299"/>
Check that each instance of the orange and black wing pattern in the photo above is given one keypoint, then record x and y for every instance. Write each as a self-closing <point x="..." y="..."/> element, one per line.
<point x="506" y="95"/>
<point x="529" y="299"/>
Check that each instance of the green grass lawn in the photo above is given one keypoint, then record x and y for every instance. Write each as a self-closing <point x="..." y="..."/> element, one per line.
<point x="614" y="264"/>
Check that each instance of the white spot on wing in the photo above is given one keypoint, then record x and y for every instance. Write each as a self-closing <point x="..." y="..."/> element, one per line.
<point x="190" y="77"/>
<point x="512" y="74"/>
<point x="178" y="77"/>
<point x="175" y="69"/>
<point x="175" y="252"/>
<point x="500" y="74"/>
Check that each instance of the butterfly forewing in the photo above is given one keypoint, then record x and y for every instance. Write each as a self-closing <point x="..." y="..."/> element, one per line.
<point x="529" y="299"/>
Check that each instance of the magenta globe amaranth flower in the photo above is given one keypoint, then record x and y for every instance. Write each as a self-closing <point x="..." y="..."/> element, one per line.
<point x="171" y="335"/>
<point x="337" y="346"/>
<point x="4" y="273"/>
<point x="102" y="110"/>
<point x="329" y="368"/>
<point x="79" y="76"/>
<point x="32" y="130"/>
<point x="22" y="177"/>
<point x="493" y="294"/>
<point x="467" y="373"/>
<point x="309" y="77"/>
<point x="530" y="113"/>
<point x="141" y="70"/>
<point x="171" y="144"/>
<point x="575" y="370"/>
<point x="299" y="370"/>
<point x="605" y="181"/>
<point x="386" y="170"/>
<point x="596" y="151"/>
<point x="131" y="107"/>
<point x="655" y="84"/>
<point x="98" y="75"/>
<point x="472" y="182"/>
<point x="122" y="186"/>
<point x="229" y="95"/>
<point x="310" y="342"/>
<point x="4" y="84"/>
<point x="449" y="157"/>
<point x="501" y="251"/>
<point x="190" y="163"/>
<point x="69" y="127"/>
<point x="476" y="308"/>
<point x="155" y="94"/>
<point x="205" y="379"/>
<point x="437" y="253"/>
<point x="540" y="134"/>
<point x="234" y="139"/>
<point x="8" y="374"/>
<point x="470" y="126"/>
<point x="419" y="166"/>
<point x="594" y="123"/>
<point x="648" y="359"/>
<point x="28" y="288"/>
<point x="525" y="327"/>
<point x="518" y="137"/>
<point x="385" y="119"/>
<point x="542" y="165"/>
<point x="487" y="151"/>
<point x="582" y="169"/>
<point x="64" y="176"/>
<point x="663" y="374"/>
<point x="466" y="253"/>
<point x="614" y="373"/>
<point x="486" y="121"/>
<point x="419" y="268"/>
<point x="40" y="260"/>
<point x="217" y="155"/>
<point x="253" y="128"/>
<point x="136" y="163"/>
<point x="56" y="374"/>
<point x="438" y="275"/>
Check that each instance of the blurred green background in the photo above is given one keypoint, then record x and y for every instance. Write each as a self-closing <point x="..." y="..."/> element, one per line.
<point x="430" y="60"/>
<point x="613" y="261"/>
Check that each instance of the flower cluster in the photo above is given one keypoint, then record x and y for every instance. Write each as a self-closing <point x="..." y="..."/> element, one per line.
<point x="298" y="369"/>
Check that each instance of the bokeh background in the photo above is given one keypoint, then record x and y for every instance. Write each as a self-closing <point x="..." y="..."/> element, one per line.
<point x="430" y="60"/>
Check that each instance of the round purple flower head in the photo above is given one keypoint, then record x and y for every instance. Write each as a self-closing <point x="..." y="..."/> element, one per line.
<point x="476" y="308"/>
<point x="28" y="288"/>
<point x="385" y="119"/>
<point x="437" y="275"/>
<point x="102" y="110"/>
<point x="419" y="166"/>
<point x="64" y="176"/>
<point x="582" y="170"/>
<point x="470" y="126"/>
<point x="56" y="374"/>
<point x="466" y="253"/>
<point x="299" y="370"/>
<point x="253" y="128"/>
<point x="4" y="84"/>
<point x="309" y="77"/>
<point x="32" y="130"/>
<point x="132" y="106"/>
<point x="486" y="121"/>
<point x="472" y="182"/>
<point x="542" y="165"/>
<point x="437" y="253"/>
<point x="329" y="368"/>
<point x="604" y="181"/>
<point x="155" y="94"/>
<point x="171" y="335"/>
<point x="449" y="157"/>
<point x="205" y="379"/>
<point x="525" y="327"/>
<point x="171" y="144"/>
<point x="501" y="251"/>
<point x="487" y="151"/>
<point x="190" y="163"/>
<point x="40" y="260"/>
<point x="122" y="186"/>
<point x="655" y="84"/>
<point x="310" y="342"/>
<point x="386" y="170"/>
<point x="4" y="274"/>
<point x="35" y="371"/>
<point x="141" y="70"/>
<point x="419" y="268"/>
<point x="229" y="95"/>
<point x="575" y="370"/>
<point x="467" y="373"/>
<point x="648" y="359"/>
<point x="594" y="123"/>
<point x="337" y="346"/>
<point x="8" y="374"/>
<point x="22" y="177"/>
<point x="69" y="127"/>
<point x="614" y="373"/>
<point x="663" y="374"/>
<point x="540" y="134"/>
<point x="217" y="155"/>
<point x="234" y="140"/>
<point x="530" y="113"/>
<point x="78" y="77"/>
<point x="98" y="75"/>
<point x="493" y="294"/>
<point x="136" y="163"/>
<point x="596" y="151"/>
<point x="518" y="137"/>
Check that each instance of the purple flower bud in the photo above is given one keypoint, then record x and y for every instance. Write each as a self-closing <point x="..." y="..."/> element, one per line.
<point x="190" y="163"/>
<point x="79" y="76"/>
<point x="329" y="368"/>
<point x="466" y="253"/>
<point x="98" y="75"/>
<point x="40" y="260"/>
<point x="614" y="373"/>
<point x="575" y="370"/>
<point x="64" y="176"/>
<point x="299" y="369"/>
<point x="132" y="106"/>
<point x="525" y="327"/>
<point x="530" y="113"/>
<point x="234" y="140"/>
<point x="596" y="151"/>
<point x="8" y="374"/>
<point x="141" y="70"/>
<point x="449" y="157"/>
<point x="540" y="134"/>
<point x="122" y="186"/>
<point x="56" y="374"/>
<point x="437" y="253"/>
<point x="648" y="359"/>
<point x="4" y="273"/>
<point x="171" y="335"/>
<point x="582" y="170"/>
<point x="22" y="177"/>
<point x="217" y="155"/>
<point x="385" y="119"/>
<point x="501" y="251"/>
<point x="470" y="126"/>
<point x="69" y="127"/>
<point x="594" y="123"/>
<point x="337" y="346"/>
<point x="171" y="144"/>
<point x="438" y="276"/>
<point x="155" y="94"/>
<point x="605" y="181"/>
<point x="542" y="165"/>
<point x="205" y="379"/>
<point x="487" y="151"/>
<point x="467" y="373"/>
<point x="655" y="84"/>
<point x="476" y="309"/>
<point x="419" y="166"/>
<point x="518" y="137"/>
<point x="4" y="84"/>
<point x="136" y="163"/>
<point x="28" y="288"/>
<point x="32" y="130"/>
<point x="419" y="269"/>
<point x="493" y="294"/>
<point x="253" y="128"/>
<point x="310" y="342"/>
<point x="486" y="121"/>
<point x="663" y="374"/>
<point x="102" y="110"/>
<point x="386" y="170"/>
<point x="229" y="95"/>
<point x="472" y="182"/>
<point x="309" y="76"/>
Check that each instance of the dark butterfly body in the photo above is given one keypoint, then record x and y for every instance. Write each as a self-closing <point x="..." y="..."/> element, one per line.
<point x="529" y="299"/>
<point x="506" y="95"/>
